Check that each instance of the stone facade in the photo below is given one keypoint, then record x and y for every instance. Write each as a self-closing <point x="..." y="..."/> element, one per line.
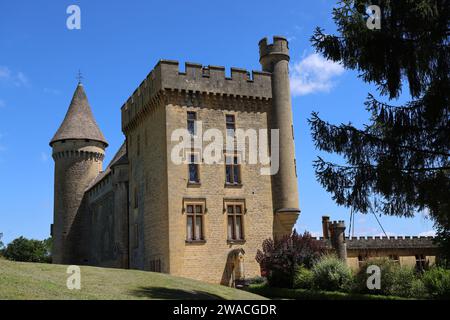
<point x="145" y="212"/>
<point x="136" y="213"/>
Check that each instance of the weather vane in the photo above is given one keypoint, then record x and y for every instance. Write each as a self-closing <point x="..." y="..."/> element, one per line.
<point x="79" y="76"/>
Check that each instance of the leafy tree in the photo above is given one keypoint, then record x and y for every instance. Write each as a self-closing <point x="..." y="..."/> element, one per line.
<point x="26" y="250"/>
<point x="443" y="239"/>
<point x="280" y="258"/>
<point x="48" y="243"/>
<point x="398" y="164"/>
<point x="2" y="246"/>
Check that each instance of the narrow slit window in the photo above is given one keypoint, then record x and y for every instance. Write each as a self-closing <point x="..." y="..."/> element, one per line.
<point x="191" y="122"/>
<point x="194" y="176"/>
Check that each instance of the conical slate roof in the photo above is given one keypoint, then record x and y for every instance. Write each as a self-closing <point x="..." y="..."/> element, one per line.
<point x="79" y="122"/>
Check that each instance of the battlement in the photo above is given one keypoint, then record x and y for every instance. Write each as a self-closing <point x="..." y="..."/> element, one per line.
<point x="279" y="46"/>
<point x="377" y="242"/>
<point x="337" y="224"/>
<point x="196" y="78"/>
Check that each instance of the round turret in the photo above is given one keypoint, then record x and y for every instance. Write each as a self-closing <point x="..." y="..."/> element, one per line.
<point x="274" y="58"/>
<point x="269" y="54"/>
<point x="78" y="152"/>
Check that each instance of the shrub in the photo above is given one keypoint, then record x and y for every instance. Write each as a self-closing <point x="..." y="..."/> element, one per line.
<point x="303" y="278"/>
<point x="26" y="250"/>
<point x="280" y="258"/>
<point x="437" y="282"/>
<point x="395" y="280"/>
<point x="387" y="276"/>
<point x="332" y="274"/>
<point x="418" y="289"/>
<point x="406" y="283"/>
<point x="257" y="280"/>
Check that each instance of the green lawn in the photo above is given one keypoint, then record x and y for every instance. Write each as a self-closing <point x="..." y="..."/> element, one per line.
<point x="303" y="294"/>
<point x="19" y="280"/>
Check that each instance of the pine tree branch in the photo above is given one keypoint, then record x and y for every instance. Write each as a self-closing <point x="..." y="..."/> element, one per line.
<point x="366" y="165"/>
<point x="375" y="138"/>
<point x="410" y="105"/>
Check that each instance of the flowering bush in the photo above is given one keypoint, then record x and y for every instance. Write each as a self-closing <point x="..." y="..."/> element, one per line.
<point x="280" y="258"/>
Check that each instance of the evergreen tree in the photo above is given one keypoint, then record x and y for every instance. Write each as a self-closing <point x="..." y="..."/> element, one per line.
<point x="398" y="164"/>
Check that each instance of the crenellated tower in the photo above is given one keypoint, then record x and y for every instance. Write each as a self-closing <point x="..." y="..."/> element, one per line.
<point x="274" y="58"/>
<point x="337" y="236"/>
<point x="78" y="152"/>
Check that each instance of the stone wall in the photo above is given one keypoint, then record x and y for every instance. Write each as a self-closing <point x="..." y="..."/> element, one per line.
<point x="405" y="248"/>
<point x="149" y="232"/>
<point x="209" y="260"/>
<point x="108" y="218"/>
<point x="77" y="163"/>
<point x="195" y="80"/>
<point x="149" y="116"/>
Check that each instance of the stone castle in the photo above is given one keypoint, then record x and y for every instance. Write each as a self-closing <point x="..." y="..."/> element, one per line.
<point x="202" y="221"/>
<point x="193" y="220"/>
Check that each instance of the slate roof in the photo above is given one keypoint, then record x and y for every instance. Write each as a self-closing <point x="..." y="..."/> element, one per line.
<point x="79" y="122"/>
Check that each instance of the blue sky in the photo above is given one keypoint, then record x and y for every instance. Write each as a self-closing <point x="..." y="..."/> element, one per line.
<point x="118" y="44"/>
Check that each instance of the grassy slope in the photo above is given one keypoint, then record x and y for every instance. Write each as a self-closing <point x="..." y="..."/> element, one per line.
<point x="20" y="280"/>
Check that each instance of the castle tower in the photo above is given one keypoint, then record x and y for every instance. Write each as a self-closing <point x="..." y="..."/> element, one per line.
<point x="337" y="234"/>
<point x="78" y="152"/>
<point x="274" y="58"/>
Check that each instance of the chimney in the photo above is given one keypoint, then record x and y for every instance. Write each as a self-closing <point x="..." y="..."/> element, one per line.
<point x="326" y="227"/>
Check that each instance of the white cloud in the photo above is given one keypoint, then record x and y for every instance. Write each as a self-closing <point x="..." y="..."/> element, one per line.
<point x="314" y="74"/>
<point x="429" y="233"/>
<point x="18" y="79"/>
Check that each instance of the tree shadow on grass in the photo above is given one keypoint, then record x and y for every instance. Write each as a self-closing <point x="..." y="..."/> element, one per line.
<point x="173" y="294"/>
